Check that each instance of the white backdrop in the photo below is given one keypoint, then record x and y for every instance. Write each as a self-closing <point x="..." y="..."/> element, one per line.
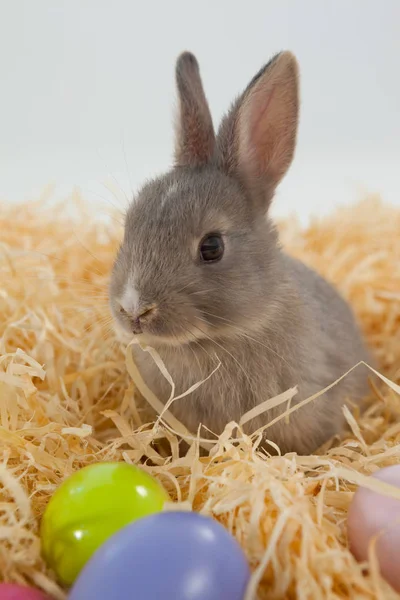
<point x="87" y="90"/>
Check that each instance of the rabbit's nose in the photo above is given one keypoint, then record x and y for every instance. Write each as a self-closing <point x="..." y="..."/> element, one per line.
<point x="143" y="317"/>
<point x="140" y="318"/>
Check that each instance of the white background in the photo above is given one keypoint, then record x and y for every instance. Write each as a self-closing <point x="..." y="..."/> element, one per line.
<point x="87" y="90"/>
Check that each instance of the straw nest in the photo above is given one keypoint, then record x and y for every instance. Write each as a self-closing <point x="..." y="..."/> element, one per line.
<point x="67" y="399"/>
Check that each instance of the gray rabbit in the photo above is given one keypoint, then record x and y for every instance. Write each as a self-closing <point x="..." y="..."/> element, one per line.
<point x="200" y="275"/>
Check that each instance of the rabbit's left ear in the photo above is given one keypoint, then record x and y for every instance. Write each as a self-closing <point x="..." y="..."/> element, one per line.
<point x="194" y="132"/>
<point x="257" y="138"/>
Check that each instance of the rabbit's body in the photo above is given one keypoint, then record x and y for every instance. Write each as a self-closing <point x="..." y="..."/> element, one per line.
<point x="201" y="277"/>
<point x="309" y="346"/>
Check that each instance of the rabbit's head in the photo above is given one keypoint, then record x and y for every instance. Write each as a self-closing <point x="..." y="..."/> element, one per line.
<point x="199" y="258"/>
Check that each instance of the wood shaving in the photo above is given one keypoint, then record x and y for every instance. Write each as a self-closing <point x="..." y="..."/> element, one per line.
<point x="67" y="400"/>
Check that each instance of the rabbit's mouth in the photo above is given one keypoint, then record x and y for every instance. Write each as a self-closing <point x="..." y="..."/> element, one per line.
<point x="158" y="332"/>
<point x="178" y="337"/>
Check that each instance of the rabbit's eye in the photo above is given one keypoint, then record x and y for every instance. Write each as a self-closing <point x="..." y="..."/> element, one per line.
<point x="211" y="248"/>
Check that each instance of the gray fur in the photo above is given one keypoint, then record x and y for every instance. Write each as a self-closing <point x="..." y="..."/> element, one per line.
<point x="272" y="322"/>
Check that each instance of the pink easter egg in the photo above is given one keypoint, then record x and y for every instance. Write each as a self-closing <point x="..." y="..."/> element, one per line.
<point x="10" y="591"/>
<point x="371" y="514"/>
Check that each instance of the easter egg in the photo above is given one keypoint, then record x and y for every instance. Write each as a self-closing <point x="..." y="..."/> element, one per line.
<point x="89" y="507"/>
<point x="371" y="514"/>
<point x="10" y="591"/>
<point x="170" y="555"/>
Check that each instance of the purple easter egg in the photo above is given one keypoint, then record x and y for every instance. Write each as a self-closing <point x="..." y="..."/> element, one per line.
<point x="11" y="591"/>
<point x="170" y="555"/>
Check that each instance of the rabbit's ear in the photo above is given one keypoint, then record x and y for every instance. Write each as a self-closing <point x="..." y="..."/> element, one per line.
<point x="257" y="139"/>
<point x="194" y="132"/>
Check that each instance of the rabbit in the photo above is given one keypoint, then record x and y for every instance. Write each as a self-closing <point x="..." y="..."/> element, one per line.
<point x="200" y="275"/>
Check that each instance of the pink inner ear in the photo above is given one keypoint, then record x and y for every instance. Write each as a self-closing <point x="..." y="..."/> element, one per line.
<point x="260" y="111"/>
<point x="259" y="142"/>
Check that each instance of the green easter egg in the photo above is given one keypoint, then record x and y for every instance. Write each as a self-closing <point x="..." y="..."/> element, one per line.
<point x="89" y="507"/>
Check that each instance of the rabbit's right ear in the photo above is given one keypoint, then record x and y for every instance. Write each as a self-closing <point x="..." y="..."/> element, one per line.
<point x="257" y="139"/>
<point x="194" y="132"/>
